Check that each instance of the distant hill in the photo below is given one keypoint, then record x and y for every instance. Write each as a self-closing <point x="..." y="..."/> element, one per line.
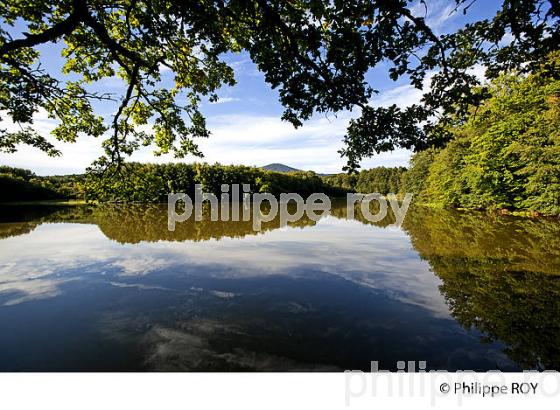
<point x="279" y="168"/>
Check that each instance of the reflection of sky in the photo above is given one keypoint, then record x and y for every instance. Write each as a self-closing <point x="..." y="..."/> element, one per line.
<point x="35" y="265"/>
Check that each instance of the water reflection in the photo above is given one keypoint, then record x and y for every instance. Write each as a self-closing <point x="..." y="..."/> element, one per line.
<point x="110" y="288"/>
<point x="500" y="275"/>
<point x="135" y="223"/>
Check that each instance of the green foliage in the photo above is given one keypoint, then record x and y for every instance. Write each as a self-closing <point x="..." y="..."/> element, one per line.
<point x="379" y="180"/>
<point x="18" y="184"/>
<point x="24" y="174"/>
<point x="18" y="189"/>
<point x="304" y="183"/>
<point x="382" y="180"/>
<point x="507" y="155"/>
<point x="316" y="53"/>
<point x="66" y="186"/>
<point x="135" y="182"/>
<point x="413" y="180"/>
<point x="344" y="182"/>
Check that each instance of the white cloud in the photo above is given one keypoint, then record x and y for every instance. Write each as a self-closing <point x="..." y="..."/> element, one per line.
<point x="438" y="13"/>
<point x="163" y="68"/>
<point x="402" y="96"/>
<point x="224" y="100"/>
<point x="258" y="140"/>
<point x="245" y="67"/>
<point x="76" y="157"/>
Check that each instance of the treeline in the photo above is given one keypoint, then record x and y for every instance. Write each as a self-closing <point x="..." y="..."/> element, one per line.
<point x="380" y="180"/>
<point x="17" y="184"/>
<point x="506" y="156"/>
<point x="136" y="182"/>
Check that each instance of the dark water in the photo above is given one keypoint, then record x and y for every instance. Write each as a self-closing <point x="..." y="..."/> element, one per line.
<point x="111" y="289"/>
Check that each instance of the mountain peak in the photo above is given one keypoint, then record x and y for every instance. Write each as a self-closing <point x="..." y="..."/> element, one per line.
<point x="279" y="168"/>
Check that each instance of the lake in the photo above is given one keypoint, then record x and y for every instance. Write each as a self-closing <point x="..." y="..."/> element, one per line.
<point x="109" y="288"/>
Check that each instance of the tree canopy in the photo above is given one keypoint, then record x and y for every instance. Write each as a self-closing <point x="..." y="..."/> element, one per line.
<point x="507" y="155"/>
<point x="381" y="180"/>
<point x="316" y="53"/>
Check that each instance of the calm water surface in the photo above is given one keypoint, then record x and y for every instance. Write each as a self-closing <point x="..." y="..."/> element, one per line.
<point x="111" y="289"/>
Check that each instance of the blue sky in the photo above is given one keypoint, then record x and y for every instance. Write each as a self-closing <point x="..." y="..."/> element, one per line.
<point x="245" y="122"/>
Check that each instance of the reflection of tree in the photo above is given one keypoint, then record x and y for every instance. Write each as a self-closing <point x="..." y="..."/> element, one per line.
<point x="16" y="229"/>
<point x="501" y="275"/>
<point x="339" y="210"/>
<point x="18" y="220"/>
<point x="133" y="223"/>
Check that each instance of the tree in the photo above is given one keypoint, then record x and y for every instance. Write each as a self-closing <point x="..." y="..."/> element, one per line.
<point x="375" y="180"/>
<point x="316" y="53"/>
<point x="414" y="179"/>
<point x="507" y="155"/>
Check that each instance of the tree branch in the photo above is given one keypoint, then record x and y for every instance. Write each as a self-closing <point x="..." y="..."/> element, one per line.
<point x="114" y="47"/>
<point x="293" y="47"/>
<point x="422" y="26"/>
<point x="133" y="80"/>
<point x="62" y="28"/>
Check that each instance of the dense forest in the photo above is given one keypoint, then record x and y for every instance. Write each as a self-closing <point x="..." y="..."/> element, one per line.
<point x="380" y="179"/>
<point x="152" y="182"/>
<point x="506" y="156"/>
<point x="136" y="182"/>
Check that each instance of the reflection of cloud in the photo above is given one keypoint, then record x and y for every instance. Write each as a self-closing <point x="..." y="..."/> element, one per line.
<point x="22" y="282"/>
<point x="191" y="349"/>
<point x="225" y="100"/>
<point x="376" y="258"/>
<point x="223" y="295"/>
<point x="27" y="290"/>
<point x="138" y="286"/>
<point x="141" y="265"/>
<point x="40" y="262"/>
